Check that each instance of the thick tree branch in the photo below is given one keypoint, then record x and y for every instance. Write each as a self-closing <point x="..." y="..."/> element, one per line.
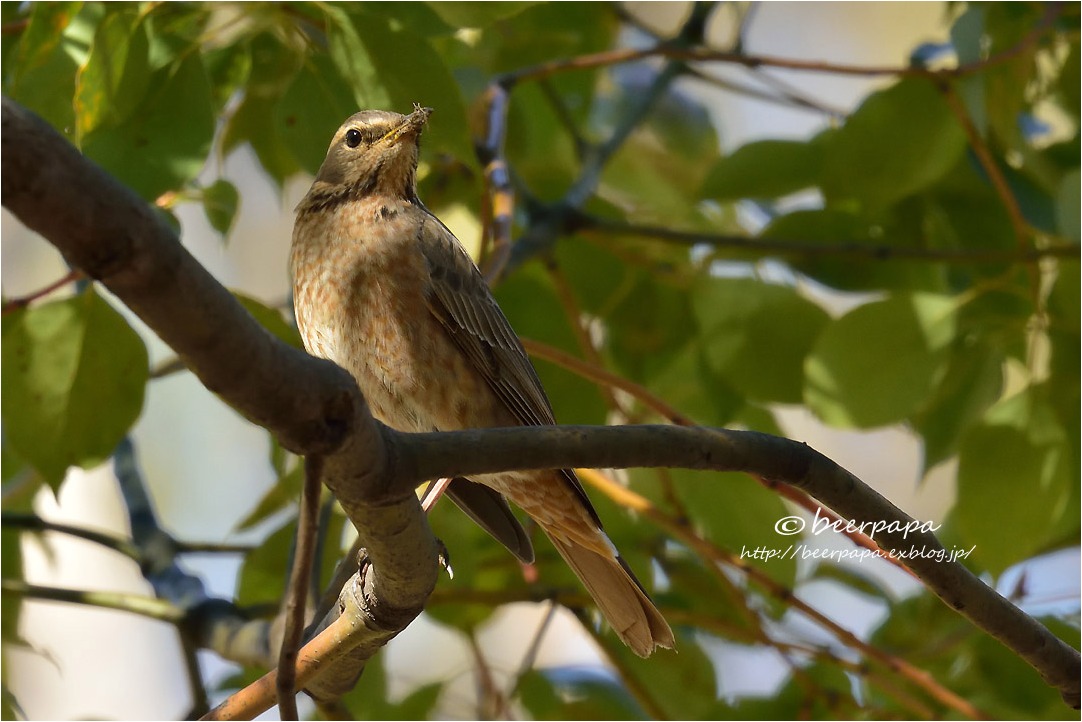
<point x="312" y="406"/>
<point x="112" y="235"/>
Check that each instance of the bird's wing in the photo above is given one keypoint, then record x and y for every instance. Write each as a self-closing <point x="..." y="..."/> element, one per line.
<point x="461" y="300"/>
<point x="489" y="510"/>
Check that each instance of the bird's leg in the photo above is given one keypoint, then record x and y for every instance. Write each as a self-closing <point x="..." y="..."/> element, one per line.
<point x="428" y="500"/>
<point x="433" y="493"/>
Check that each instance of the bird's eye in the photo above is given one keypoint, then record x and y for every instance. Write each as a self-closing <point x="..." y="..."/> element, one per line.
<point x="353" y="137"/>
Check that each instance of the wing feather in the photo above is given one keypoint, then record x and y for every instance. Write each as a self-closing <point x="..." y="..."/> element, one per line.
<point x="460" y="299"/>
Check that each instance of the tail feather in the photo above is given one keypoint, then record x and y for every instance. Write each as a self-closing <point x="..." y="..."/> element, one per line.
<point x="621" y="598"/>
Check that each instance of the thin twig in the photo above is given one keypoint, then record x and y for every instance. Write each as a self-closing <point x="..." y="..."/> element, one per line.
<point x="307" y="526"/>
<point x="32" y="522"/>
<point x="787" y="97"/>
<point x="589" y="225"/>
<point x="563" y="115"/>
<point x="15" y="27"/>
<point x="167" y="368"/>
<point x="497" y="210"/>
<point x="596" y="373"/>
<point x="566" y="296"/>
<point x="988" y="164"/>
<point x="200" y="699"/>
<point x="149" y="607"/>
<point x="212" y="548"/>
<point x="998" y="181"/>
<point x="698" y="54"/>
<point x="529" y="659"/>
<point x="15" y="304"/>
<point x="491" y="703"/>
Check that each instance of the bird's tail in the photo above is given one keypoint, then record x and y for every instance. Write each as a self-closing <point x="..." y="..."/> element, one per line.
<point x="620" y="597"/>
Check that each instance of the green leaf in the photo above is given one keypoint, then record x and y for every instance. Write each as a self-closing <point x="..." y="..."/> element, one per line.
<point x="765" y="169"/>
<point x="228" y="69"/>
<point x="1065" y="337"/>
<point x="153" y="151"/>
<point x="549" y="30"/>
<point x="73" y="381"/>
<point x="1068" y="218"/>
<point x="353" y="61"/>
<point x="756" y="335"/>
<point x="968" y="39"/>
<point x="594" y="273"/>
<point x="42" y="73"/>
<point x="738" y="514"/>
<point x="310" y="111"/>
<point x="1009" y="84"/>
<point x="1012" y="474"/>
<point x="271" y="319"/>
<point x="419" y="17"/>
<point x="1067" y="89"/>
<point x="370" y="697"/>
<point x="963" y="212"/>
<point x="998" y="681"/>
<point x="649" y="327"/>
<point x="265" y="570"/>
<point x="974" y="666"/>
<point x="44" y="32"/>
<point x="661" y="165"/>
<point x="220" y="201"/>
<point x="283" y="494"/>
<point x="899" y="141"/>
<point x="477" y="15"/>
<point x="11" y="559"/>
<point x="530" y="302"/>
<point x="676" y="686"/>
<point x="273" y="67"/>
<point x="576" y="693"/>
<point x="694" y="388"/>
<point x="845" y="232"/>
<point x="115" y="78"/>
<point x="972" y="383"/>
<point x="532" y="123"/>
<point x="878" y="363"/>
<point x="174" y="30"/>
<point x="367" y="51"/>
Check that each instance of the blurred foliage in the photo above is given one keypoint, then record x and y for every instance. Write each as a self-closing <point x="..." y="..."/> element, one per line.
<point x="930" y="199"/>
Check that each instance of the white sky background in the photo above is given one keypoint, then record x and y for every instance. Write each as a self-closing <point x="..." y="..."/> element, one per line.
<point x="206" y="466"/>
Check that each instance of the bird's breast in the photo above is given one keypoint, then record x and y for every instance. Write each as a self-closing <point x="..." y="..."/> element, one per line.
<point x="360" y="283"/>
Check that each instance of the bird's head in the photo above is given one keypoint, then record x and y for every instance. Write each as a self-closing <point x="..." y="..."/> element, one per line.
<point x="373" y="153"/>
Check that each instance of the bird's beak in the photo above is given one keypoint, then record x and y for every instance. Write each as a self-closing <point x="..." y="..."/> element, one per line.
<point x="411" y="125"/>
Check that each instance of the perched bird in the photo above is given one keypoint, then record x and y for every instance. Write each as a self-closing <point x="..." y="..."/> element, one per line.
<point x="385" y="290"/>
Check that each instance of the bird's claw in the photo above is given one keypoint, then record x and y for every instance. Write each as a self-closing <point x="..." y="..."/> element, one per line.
<point x="444" y="558"/>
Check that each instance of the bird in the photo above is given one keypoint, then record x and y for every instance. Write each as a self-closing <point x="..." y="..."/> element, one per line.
<point x="383" y="288"/>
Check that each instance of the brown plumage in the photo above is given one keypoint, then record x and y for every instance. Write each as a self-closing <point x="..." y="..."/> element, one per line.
<point x="386" y="291"/>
